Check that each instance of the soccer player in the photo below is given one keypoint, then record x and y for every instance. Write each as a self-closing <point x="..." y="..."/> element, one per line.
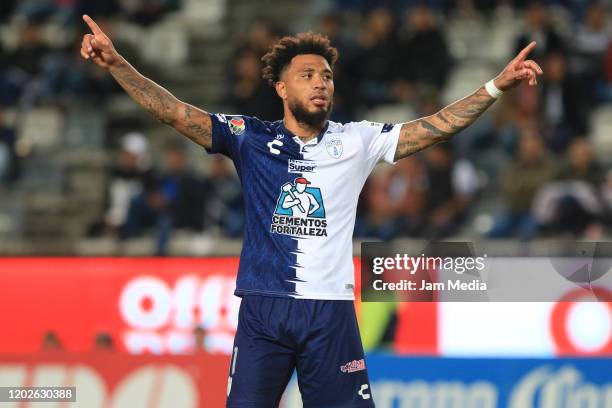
<point x="296" y="271"/>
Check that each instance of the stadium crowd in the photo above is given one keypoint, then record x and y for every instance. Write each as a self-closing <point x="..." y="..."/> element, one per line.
<point x="531" y="167"/>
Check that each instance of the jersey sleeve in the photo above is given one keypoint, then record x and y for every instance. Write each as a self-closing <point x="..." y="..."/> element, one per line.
<point x="380" y="140"/>
<point x="228" y="133"/>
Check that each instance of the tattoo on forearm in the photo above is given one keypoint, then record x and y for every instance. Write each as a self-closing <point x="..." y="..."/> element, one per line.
<point x="155" y="99"/>
<point x="197" y="126"/>
<point x="188" y="120"/>
<point x="422" y="133"/>
<point x="417" y="135"/>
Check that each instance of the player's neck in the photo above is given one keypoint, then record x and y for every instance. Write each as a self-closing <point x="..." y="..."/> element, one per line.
<point x="303" y="131"/>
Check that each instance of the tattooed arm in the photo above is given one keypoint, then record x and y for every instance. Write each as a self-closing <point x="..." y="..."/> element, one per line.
<point x="421" y="133"/>
<point x="187" y="119"/>
<point x="424" y="132"/>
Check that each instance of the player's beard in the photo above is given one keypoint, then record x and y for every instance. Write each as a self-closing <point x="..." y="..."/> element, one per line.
<point x="312" y="119"/>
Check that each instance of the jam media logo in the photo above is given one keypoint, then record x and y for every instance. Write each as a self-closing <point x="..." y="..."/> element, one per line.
<point x="299" y="210"/>
<point x="237" y="125"/>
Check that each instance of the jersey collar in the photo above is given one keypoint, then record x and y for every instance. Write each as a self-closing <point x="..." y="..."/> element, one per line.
<point x="297" y="139"/>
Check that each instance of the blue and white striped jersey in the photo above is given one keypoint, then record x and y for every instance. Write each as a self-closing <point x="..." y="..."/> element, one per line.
<point x="300" y="201"/>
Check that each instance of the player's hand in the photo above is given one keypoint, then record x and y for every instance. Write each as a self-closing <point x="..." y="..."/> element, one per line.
<point x="97" y="46"/>
<point x="519" y="69"/>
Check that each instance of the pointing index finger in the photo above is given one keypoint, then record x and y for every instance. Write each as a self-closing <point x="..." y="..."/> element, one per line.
<point x="92" y="25"/>
<point x="525" y="51"/>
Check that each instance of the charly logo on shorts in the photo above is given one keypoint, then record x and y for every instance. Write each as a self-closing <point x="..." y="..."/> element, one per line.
<point x="352" y="366"/>
<point x="334" y="146"/>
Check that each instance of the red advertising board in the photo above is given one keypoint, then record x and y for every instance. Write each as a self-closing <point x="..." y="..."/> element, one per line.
<point x="151" y="305"/>
<point x="145" y="304"/>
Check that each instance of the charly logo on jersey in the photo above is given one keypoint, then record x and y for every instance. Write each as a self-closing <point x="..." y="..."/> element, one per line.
<point x="301" y="166"/>
<point x="299" y="211"/>
<point x="237" y="125"/>
<point x="334" y="147"/>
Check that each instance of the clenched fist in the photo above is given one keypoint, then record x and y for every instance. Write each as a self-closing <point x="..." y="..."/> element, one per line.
<point x="97" y="46"/>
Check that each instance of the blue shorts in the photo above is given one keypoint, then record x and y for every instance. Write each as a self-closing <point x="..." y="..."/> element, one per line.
<point x="319" y="338"/>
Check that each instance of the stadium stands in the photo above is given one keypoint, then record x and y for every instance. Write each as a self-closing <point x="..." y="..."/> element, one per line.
<point x="61" y="119"/>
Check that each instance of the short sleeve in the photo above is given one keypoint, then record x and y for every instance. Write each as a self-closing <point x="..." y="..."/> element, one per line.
<point x="228" y="133"/>
<point x="380" y="140"/>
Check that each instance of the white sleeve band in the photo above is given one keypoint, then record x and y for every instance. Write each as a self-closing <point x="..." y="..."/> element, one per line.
<point x="492" y="90"/>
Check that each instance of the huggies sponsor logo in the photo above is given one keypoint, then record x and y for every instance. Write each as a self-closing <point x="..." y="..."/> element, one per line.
<point x="301" y="166"/>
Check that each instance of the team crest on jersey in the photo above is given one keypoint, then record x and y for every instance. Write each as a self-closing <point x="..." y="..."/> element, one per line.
<point x="237" y="126"/>
<point x="334" y="147"/>
<point x="299" y="211"/>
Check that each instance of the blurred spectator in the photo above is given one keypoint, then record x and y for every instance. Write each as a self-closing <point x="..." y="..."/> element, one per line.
<point x="589" y="47"/>
<point x="422" y="57"/>
<point x="176" y="201"/>
<point x="564" y="104"/>
<point x="6" y="8"/>
<point x="573" y="203"/>
<point x="69" y="77"/>
<point x="129" y="177"/>
<point x="452" y="187"/>
<point x="250" y="94"/>
<point x="51" y="342"/>
<point x="104" y="341"/>
<point x="581" y="164"/>
<point x="260" y="36"/>
<point x="605" y="90"/>
<point x="537" y="27"/>
<point x="36" y="9"/>
<point x="372" y="67"/>
<point x="96" y="9"/>
<point x="520" y="182"/>
<point x="393" y="201"/>
<point x="346" y="93"/>
<point x="9" y="161"/>
<point x="147" y="12"/>
<point x="224" y="209"/>
<point x="408" y="188"/>
<point x="379" y="216"/>
<point x="26" y="63"/>
<point x="199" y="339"/>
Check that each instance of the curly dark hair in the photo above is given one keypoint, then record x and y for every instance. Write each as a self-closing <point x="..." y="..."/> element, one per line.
<point x="286" y="48"/>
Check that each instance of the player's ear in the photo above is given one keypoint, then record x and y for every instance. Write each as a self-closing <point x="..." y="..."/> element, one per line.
<point x="281" y="89"/>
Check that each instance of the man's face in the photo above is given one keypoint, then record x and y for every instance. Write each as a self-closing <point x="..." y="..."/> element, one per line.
<point x="300" y="187"/>
<point x="307" y="86"/>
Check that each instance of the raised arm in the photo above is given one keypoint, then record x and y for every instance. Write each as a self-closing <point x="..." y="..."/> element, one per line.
<point x="424" y="132"/>
<point x="185" y="118"/>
